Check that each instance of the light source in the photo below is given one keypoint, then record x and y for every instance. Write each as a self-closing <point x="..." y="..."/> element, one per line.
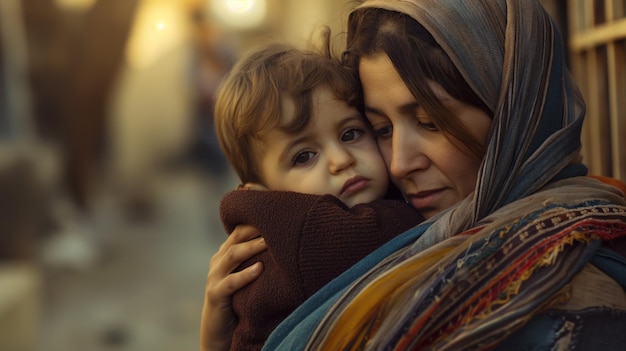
<point x="239" y="14"/>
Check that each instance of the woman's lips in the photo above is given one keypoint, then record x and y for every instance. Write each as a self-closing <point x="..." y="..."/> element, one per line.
<point x="425" y="199"/>
<point x="354" y="184"/>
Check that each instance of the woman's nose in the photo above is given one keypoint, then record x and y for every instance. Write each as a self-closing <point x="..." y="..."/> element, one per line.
<point x="340" y="159"/>
<point x="406" y="155"/>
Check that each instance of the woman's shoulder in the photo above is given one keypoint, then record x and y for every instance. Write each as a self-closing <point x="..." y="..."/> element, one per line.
<point x="617" y="183"/>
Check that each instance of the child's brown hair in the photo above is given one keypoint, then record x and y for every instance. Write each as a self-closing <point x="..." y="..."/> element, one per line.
<point x="249" y="99"/>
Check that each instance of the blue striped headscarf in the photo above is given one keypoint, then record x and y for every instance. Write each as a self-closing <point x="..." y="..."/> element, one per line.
<point x="511" y="53"/>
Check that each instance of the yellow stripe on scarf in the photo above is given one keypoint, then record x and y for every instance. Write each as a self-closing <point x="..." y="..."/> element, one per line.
<point x="362" y="316"/>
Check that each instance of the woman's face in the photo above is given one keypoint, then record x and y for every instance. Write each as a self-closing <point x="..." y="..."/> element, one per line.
<point x="431" y="171"/>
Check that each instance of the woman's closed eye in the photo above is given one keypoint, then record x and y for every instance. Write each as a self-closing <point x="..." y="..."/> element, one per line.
<point x="432" y="127"/>
<point x="424" y="121"/>
<point x="383" y="132"/>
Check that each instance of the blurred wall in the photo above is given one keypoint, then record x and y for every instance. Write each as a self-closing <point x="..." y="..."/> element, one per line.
<point x="122" y="89"/>
<point x="150" y="112"/>
<point x="125" y="86"/>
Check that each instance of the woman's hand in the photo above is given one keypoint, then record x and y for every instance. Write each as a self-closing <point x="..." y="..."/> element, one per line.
<point x="218" y="319"/>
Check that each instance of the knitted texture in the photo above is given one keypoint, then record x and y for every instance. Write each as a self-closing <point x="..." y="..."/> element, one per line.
<point x="311" y="239"/>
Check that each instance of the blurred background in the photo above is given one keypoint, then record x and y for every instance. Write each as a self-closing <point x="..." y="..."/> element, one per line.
<point x="110" y="174"/>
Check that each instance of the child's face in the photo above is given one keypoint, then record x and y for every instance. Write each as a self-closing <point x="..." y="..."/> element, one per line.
<point x="335" y="154"/>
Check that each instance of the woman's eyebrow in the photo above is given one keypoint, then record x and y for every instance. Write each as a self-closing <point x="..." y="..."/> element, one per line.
<point x="409" y="107"/>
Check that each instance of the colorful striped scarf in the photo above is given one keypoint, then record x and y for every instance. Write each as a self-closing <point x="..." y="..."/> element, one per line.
<point x="474" y="289"/>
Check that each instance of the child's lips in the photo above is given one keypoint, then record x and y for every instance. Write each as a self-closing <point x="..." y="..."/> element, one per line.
<point x="354" y="184"/>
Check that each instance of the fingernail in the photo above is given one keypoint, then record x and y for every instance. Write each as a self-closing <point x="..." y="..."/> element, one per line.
<point x="262" y="241"/>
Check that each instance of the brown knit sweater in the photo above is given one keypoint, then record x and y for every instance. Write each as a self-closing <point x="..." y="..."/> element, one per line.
<point x="311" y="239"/>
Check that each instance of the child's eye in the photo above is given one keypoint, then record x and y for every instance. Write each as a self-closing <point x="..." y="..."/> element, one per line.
<point x="351" y="134"/>
<point x="302" y="157"/>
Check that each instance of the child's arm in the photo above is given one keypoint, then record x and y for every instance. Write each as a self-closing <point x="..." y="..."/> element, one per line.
<point x="314" y="237"/>
<point x="311" y="239"/>
<point x="218" y="320"/>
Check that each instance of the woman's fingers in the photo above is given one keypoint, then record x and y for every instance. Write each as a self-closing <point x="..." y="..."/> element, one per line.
<point x="242" y="233"/>
<point x="242" y="244"/>
<point x="224" y="262"/>
<point x="235" y="281"/>
<point x="218" y="319"/>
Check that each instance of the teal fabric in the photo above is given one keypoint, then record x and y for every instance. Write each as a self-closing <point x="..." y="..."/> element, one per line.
<point x="612" y="264"/>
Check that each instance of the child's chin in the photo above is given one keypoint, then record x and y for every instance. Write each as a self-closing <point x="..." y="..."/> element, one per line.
<point x="361" y="198"/>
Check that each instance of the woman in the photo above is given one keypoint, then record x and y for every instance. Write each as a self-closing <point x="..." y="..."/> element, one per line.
<point x="479" y="125"/>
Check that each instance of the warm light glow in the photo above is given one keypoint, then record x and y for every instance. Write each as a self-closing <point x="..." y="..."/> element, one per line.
<point x="239" y="14"/>
<point x="240" y="6"/>
<point x="158" y="28"/>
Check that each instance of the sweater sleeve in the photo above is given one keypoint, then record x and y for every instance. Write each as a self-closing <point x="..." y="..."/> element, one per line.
<point x="265" y="210"/>
<point x="334" y="237"/>
<point x="319" y="236"/>
<point x="311" y="239"/>
<point x="279" y="216"/>
<point x="264" y="303"/>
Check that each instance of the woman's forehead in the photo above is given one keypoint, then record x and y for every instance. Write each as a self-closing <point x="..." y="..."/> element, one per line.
<point x="378" y="74"/>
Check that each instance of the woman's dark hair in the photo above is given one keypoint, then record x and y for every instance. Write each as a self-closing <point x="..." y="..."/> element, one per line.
<point x="417" y="58"/>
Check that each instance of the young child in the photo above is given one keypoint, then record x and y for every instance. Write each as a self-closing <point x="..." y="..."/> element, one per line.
<point x="287" y="121"/>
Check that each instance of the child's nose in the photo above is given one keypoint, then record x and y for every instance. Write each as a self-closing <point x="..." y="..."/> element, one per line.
<point x="340" y="160"/>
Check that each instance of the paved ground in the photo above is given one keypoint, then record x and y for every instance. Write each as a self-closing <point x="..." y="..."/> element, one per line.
<point x="146" y="293"/>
